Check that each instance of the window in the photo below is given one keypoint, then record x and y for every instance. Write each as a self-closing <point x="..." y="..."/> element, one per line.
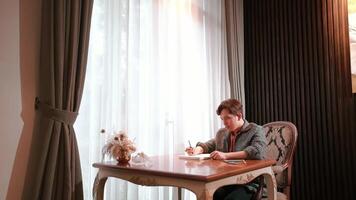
<point x="352" y="34"/>
<point x="157" y="69"/>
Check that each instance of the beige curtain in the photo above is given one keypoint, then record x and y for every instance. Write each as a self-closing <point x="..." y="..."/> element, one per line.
<point x="235" y="47"/>
<point x="54" y="167"/>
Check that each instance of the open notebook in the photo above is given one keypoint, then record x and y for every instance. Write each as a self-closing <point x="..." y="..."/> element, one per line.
<point x="203" y="156"/>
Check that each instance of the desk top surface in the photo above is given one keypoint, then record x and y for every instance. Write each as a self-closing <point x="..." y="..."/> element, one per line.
<point x="172" y="166"/>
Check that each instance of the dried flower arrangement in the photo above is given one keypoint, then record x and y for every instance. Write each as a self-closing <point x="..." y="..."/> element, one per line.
<point x="120" y="147"/>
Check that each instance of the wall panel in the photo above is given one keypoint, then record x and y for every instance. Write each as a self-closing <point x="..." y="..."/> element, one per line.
<point x="297" y="69"/>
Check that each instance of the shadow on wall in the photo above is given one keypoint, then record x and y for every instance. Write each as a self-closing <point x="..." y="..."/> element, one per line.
<point x="30" y="25"/>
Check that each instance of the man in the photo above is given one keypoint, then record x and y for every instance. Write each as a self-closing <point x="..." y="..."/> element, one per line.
<point x="238" y="140"/>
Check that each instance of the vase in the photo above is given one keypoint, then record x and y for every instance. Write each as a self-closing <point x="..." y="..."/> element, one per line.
<point x="124" y="157"/>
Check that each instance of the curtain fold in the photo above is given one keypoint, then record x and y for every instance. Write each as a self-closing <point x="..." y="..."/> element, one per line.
<point x="235" y="47"/>
<point x="54" y="170"/>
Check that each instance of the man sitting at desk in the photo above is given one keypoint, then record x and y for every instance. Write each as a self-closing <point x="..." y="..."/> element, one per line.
<point x="238" y="140"/>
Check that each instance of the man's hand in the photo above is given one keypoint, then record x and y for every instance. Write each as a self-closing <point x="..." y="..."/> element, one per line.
<point x="194" y="151"/>
<point x="217" y="155"/>
<point x="189" y="150"/>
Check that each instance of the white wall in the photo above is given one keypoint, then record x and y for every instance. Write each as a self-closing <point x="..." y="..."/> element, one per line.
<point x="20" y="24"/>
<point x="10" y="89"/>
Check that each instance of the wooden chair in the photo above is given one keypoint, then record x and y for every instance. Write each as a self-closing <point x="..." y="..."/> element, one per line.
<point x="281" y="142"/>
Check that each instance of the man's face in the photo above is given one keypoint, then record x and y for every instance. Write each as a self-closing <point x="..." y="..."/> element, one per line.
<point x="231" y="122"/>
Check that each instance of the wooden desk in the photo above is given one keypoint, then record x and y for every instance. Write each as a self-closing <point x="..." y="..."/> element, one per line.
<point x="200" y="177"/>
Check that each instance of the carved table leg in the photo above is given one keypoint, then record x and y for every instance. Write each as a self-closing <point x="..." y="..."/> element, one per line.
<point x="205" y="195"/>
<point x="98" y="187"/>
<point x="203" y="191"/>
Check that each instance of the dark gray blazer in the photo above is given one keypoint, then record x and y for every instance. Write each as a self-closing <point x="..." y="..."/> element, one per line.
<point x="251" y="139"/>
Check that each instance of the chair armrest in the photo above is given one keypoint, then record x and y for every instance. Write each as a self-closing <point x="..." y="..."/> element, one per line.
<point x="279" y="168"/>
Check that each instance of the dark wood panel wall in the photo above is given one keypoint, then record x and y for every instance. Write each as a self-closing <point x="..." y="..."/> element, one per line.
<point x="297" y="69"/>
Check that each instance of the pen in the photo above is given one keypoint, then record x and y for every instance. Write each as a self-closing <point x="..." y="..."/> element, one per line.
<point x="190" y="145"/>
<point x="235" y="161"/>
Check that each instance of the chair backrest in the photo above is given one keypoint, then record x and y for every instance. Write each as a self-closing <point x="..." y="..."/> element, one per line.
<point x="281" y="142"/>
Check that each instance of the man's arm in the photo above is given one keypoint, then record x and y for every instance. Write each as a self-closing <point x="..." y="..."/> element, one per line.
<point x="218" y="155"/>
<point x="257" y="149"/>
<point x="208" y="146"/>
<point x="194" y="151"/>
<point x="201" y="147"/>
<point x="236" y="155"/>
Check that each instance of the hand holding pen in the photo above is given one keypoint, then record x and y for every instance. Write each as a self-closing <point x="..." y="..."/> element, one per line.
<point x="193" y="151"/>
<point x="190" y="149"/>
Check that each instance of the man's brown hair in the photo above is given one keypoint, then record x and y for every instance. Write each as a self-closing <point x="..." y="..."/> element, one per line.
<point x="234" y="106"/>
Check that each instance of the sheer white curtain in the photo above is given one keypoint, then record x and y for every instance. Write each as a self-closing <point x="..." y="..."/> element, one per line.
<point x="158" y="69"/>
